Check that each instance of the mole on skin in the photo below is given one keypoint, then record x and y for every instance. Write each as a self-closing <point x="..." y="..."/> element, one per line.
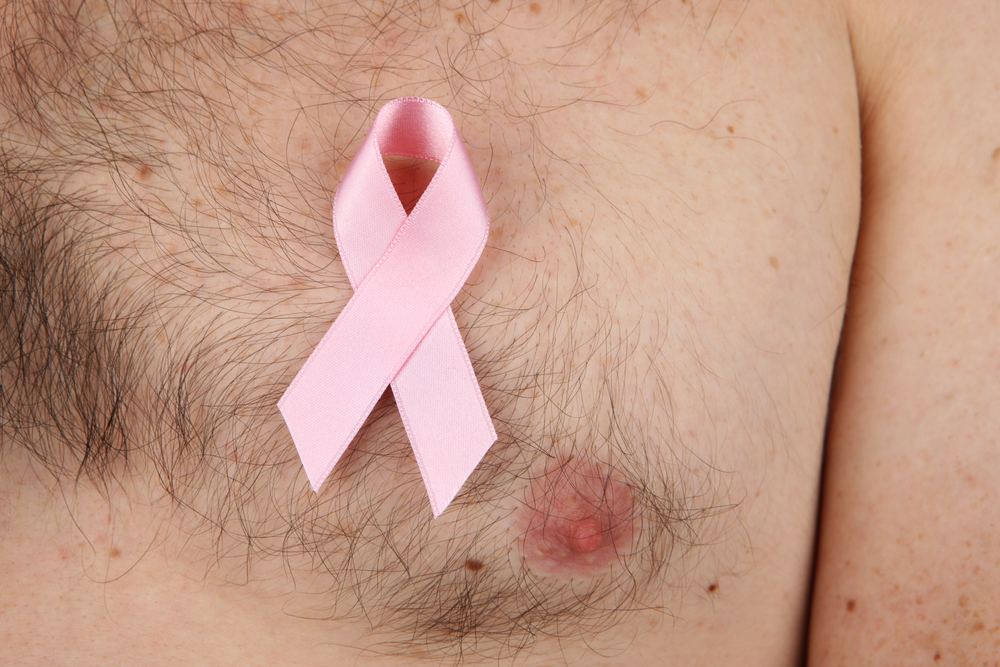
<point x="576" y="520"/>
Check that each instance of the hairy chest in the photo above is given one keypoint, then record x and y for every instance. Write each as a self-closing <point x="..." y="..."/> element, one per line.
<point x="672" y="190"/>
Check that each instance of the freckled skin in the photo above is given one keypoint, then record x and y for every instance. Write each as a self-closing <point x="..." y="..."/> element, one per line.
<point x="577" y="519"/>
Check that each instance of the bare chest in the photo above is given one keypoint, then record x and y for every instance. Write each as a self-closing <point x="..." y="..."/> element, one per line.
<point x="673" y="195"/>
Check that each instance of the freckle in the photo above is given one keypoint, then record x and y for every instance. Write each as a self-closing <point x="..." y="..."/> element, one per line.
<point x="115" y="552"/>
<point x="774" y="261"/>
<point x="851" y="604"/>
<point x="885" y="339"/>
<point x="712" y="587"/>
<point x="460" y="17"/>
<point x="978" y="627"/>
<point x="145" y="173"/>
<point x="198" y="203"/>
<point x="730" y="128"/>
<point x="836" y="130"/>
<point x="473" y="565"/>
<point x="642" y="93"/>
<point x="535" y="8"/>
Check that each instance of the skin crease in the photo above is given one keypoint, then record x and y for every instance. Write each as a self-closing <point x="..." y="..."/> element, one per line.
<point x="673" y="192"/>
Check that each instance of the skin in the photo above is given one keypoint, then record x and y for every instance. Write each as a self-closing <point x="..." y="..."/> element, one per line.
<point x="660" y="296"/>
<point x="675" y="202"/>
<point x="576" y="520"/>
<point x="907" y="569"/>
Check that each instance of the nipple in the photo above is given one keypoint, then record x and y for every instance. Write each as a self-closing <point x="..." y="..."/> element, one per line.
<point x="576" y="520"/>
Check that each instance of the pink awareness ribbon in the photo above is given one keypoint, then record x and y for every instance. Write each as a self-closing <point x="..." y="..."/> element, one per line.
<point x="398" y="327"/>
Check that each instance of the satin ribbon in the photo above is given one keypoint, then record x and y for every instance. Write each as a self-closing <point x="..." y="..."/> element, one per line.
<point x="398" y="327"/>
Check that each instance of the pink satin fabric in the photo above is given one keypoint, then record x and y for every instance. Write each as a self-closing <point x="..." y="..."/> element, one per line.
<point x="398" y="327"/>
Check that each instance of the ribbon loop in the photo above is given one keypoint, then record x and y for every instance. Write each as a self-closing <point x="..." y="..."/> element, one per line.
<point x="398" y="327"/>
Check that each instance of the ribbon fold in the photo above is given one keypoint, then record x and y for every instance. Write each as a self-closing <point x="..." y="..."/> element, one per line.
<point x="398" y="326"/>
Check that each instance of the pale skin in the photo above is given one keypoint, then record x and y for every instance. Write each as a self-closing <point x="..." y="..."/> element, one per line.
<point x="908" y="571"/>
<point x="691" y="211"/>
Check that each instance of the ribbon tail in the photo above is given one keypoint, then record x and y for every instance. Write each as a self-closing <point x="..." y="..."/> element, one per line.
<point x="330" y="398"/>
<point x="444" y="413"/>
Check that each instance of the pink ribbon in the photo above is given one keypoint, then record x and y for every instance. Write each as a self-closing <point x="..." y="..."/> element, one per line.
<point x="398" y="326"/>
